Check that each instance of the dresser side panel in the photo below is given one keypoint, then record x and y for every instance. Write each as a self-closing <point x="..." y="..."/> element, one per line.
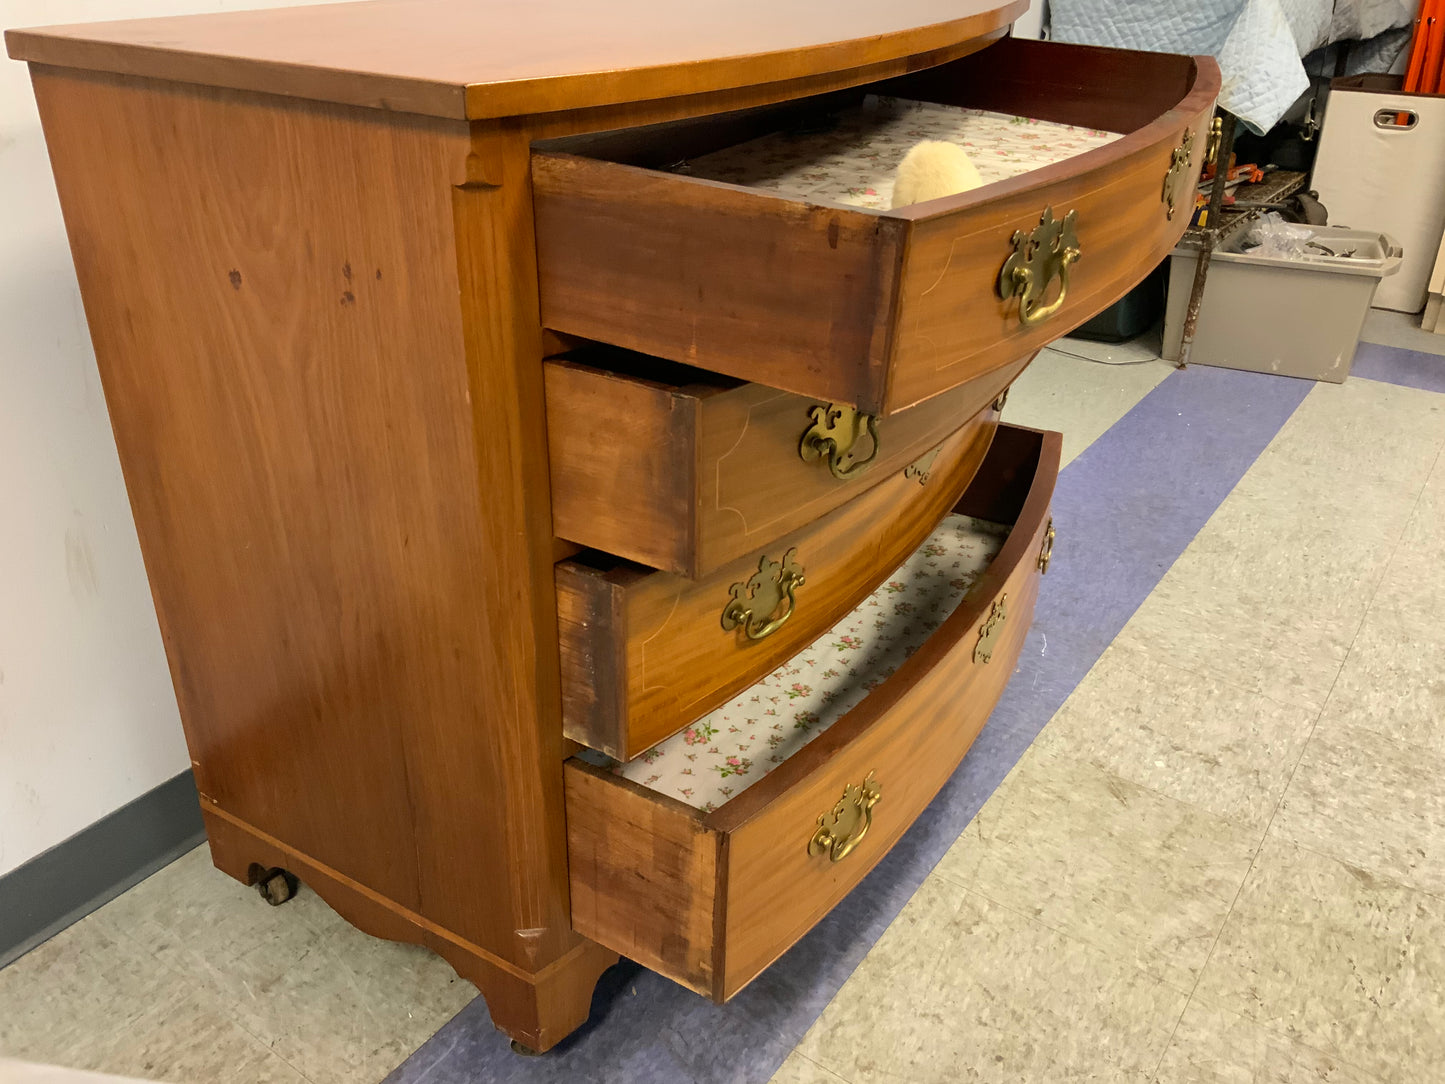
<point x="272" y="289"/>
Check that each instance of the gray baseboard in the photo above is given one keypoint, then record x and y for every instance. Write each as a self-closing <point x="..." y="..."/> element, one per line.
<point x="98" y="863"/>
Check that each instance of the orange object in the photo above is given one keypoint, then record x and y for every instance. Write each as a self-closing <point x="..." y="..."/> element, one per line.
<point x="1416" y="65"/>
<point x="1429" y="82"/>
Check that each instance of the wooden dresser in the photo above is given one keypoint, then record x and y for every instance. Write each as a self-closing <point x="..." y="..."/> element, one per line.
<point x="465" y="427"/>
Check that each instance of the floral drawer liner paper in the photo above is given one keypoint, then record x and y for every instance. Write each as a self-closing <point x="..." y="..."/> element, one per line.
<point x="852" y="163"/>
<point x="724" y="752"/>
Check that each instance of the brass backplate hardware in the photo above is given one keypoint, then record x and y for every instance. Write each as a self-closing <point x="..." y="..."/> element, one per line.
<point x="1178" y="167"/>
<point x="989" y="631"/>
<point x="1046" y="551"/>
<point x="844" y="826"/>
<point x="754" y="604"/>
<point x="1216" y="133"/>
<point x="1000" y="402"/>
<point x="835" y="435"/>
<point x="921" y="468"/>
<point x="1037" y="259"/>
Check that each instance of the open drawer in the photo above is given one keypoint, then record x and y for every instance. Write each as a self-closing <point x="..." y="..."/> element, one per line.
<point x="875" y="308"/>
<point x="711" y="897"/>
<point x="684" y="470"/>
<point x="645" y="652"/>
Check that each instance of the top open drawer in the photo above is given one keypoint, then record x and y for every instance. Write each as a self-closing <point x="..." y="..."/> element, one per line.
<point x="879" y="309"/>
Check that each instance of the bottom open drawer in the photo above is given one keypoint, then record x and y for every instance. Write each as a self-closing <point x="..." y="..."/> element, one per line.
<point x="711" y="896"/>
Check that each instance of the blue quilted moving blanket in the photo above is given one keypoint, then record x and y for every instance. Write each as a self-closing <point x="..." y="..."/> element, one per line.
<point x="1258" y="43"/>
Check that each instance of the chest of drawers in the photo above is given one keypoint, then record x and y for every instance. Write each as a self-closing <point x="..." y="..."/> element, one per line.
<point x="480" y="455"/>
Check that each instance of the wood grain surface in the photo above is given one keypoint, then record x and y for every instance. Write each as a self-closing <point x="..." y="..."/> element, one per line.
<point x="618" y="841"/>
<point x="683" y="471"/>
<point x="645" y="653"/>
<point x="878" y="309"/>
<point x="499" y="58"/>
<point x="305" y="318"/>
<point x="305" y="243"/>
<point x="911" y="732"/>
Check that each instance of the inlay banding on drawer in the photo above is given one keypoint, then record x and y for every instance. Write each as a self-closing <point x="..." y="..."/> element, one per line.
<point x="644" y="652"/>
<point x="686" y="471"/>
<point x="880" y="309"/>
<point x="712" y="898"/>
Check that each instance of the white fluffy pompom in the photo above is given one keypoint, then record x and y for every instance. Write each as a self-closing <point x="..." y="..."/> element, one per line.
<point x="933" y="169"/>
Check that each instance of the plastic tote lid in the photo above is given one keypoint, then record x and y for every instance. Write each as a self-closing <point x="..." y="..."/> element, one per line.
<point x="1332" y="248"/>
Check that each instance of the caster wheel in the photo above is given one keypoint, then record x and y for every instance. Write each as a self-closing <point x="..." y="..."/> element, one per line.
<point x="277" y="886"/>
<point x="524" y="1051"/>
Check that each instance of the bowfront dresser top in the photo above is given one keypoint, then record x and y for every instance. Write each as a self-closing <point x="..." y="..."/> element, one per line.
<point x="465" y="425"/>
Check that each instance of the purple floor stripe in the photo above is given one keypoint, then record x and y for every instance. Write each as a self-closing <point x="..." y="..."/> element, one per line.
<point x="1125" y="509"/>
<point x="1396" y="365"/>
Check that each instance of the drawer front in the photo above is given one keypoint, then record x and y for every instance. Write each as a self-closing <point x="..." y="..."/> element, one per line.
<point x="712" y="899"/>
<point x="877" y="309"/>
<point x="673" y="469"/>
<point x="644" y="653"/>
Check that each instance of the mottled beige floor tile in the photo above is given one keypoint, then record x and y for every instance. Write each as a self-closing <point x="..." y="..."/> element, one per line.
<point x="1414" y="583"/>
<point x="1080" y="398"/>
<point x="1393" y="680"/>
<point x="1346" y="962"/>
<point x="1357" y="431"/>
<point x="79" y="989"/>
<point x="1371" y="801"/>
<point x="1291" y="662"/>
<point x="1144" y="877"/>
<point x="89" y="1000"/>
<point x="798" y="1069"/>
<point x="1215" y="1046"/>
<point x="340" y="1011"/>
<point x="331" y="1001"/>
<point x="186" y="1039"/>
<point x="1231" y="639"/>
<point x="192" y="907"/>
<point x="1270" y="594"/>
<point x="959" y="988"/>
<point x="1186" y="735"/>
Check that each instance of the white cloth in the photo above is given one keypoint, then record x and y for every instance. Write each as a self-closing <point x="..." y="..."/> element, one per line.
<point x="1258" y="43"/>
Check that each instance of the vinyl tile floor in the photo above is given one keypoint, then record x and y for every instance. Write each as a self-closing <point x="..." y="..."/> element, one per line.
<point x="1221" y="861"/>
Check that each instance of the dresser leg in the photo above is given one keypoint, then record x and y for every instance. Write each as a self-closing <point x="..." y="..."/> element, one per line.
<point x="539" y="1014"/>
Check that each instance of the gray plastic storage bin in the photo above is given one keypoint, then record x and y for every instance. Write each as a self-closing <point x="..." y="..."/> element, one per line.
<point x="1296" y="316"/>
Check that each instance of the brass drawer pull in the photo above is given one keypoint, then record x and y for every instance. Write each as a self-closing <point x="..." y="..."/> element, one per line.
<point x="989" y="631"/>
<point x="1037" y="259"/>
<point x="1216" y="134"/>
<point x="844" y="827"/>
<point x="1046" y="551"/>
<point x="834" y="434"/>
<point x="1178" y="166"/>
<point x="753" y="604"/>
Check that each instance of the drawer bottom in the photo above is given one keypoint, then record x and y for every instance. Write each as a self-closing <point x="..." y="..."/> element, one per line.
<point x="708" y="857"/>
<point x="728" y="750"/>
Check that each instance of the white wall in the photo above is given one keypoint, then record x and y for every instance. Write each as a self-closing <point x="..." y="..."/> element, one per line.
<point x="88" y="718"/>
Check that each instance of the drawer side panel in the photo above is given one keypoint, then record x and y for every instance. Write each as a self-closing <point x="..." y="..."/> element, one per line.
<point x="644" y="875"/>
<point x="622" y="464"/>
